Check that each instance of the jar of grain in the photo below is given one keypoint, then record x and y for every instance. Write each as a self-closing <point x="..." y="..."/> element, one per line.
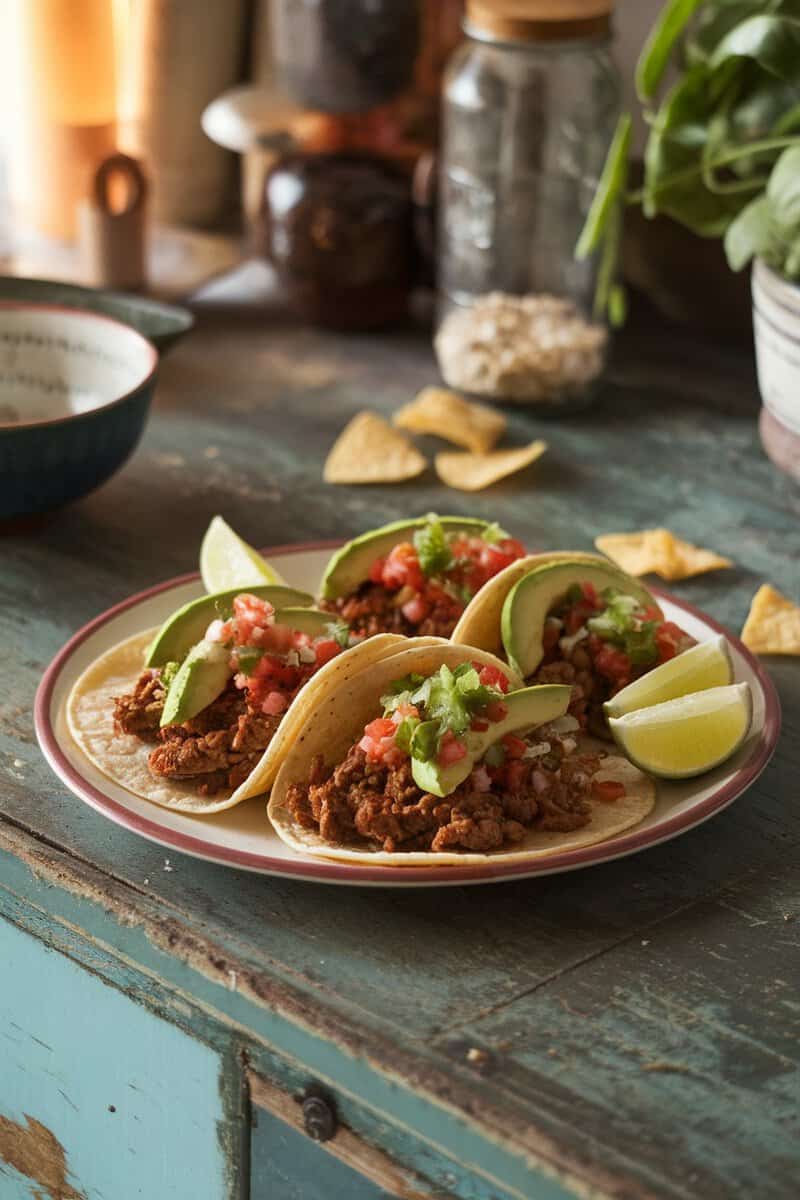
<point x="530" y="104"/>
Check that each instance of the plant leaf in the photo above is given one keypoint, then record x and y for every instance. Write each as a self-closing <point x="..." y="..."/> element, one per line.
<point x="773" y="41"/>
<point x="783" y="191"/>
<point x="669" y="26"/>
<point x="748" y="234"/>
<point x="610" y="189"/>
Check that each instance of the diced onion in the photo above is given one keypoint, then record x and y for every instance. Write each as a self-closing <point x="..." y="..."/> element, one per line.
<point x="565" y="724"/>
<point x="537" y="751"/>
<point x="568" y="644"/>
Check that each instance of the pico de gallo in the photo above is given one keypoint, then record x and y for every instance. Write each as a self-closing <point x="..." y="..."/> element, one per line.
<point x="268" y="664"/>
<point x="422" y="586"/>
<point x="533" y="780"/>
<point x="599" y="642"/>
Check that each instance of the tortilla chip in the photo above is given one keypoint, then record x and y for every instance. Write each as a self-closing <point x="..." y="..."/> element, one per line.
<point x="773" y="623"/>
<point x="474" y="472"/>
<point x="447" y="415"/>
<point x="368" y="450"/>
<point x="659" y="552"/>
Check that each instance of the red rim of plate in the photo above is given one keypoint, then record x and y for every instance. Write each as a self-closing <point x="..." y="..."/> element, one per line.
<point x="330" y="871"/>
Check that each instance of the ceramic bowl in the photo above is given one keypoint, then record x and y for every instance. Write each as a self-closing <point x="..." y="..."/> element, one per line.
<point x="162" y="324"/>
<point x="75" y="390"/>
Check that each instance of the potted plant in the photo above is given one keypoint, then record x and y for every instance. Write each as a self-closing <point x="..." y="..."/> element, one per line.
<point x="723" y="159"/>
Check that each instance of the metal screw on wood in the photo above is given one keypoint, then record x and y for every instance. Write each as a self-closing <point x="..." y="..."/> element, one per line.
<point x="319" y="1115"/>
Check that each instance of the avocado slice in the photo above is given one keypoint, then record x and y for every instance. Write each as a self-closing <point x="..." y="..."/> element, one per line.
<point x="529" y="601"/>
<point x="202" y="676"/>
<point x="350" y="566"/>
<point x="186" y="627"/>
<point x="311" y="621"/>
<point x="527" y="708"/>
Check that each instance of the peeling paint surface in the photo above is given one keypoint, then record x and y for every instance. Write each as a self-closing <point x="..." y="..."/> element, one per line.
<point x="36" y="1153"/>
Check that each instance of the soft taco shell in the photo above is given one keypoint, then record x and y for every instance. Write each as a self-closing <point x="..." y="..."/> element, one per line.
<point x="479" y="624"/>
<point x="123" y="758"/>
<point x="341" y="715"/>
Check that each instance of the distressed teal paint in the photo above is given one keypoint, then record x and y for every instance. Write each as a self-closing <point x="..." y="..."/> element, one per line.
<point x="455" y="1154"/>
<point x="287" y="1165"/>
<point x="134" y="1102"/>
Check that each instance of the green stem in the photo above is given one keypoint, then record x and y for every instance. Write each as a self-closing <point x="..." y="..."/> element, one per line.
<point x="719" y="160"/>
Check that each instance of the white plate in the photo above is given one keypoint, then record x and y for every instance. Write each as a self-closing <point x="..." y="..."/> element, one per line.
<point x="242" y="837"/>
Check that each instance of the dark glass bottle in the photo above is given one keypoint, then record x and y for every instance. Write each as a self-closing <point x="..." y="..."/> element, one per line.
<point x="338" y="230"/>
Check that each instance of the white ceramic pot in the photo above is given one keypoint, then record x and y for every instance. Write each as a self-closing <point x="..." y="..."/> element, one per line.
<point x="776" y="324"/>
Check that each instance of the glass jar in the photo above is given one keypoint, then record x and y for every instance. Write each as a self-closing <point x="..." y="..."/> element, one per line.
<point x="530" y="104"/>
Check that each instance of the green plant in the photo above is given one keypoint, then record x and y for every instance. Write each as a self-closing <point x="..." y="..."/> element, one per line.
<point x="723" y="148"/>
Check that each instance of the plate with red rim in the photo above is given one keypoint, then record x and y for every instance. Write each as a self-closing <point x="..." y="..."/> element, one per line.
<point x="242" y="837"/>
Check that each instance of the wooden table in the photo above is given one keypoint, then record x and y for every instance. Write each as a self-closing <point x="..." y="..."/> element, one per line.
<point x="160" y="1021"/>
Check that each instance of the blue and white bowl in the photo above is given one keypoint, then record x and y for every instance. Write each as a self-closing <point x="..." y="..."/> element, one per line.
<point x="75" y="389"/>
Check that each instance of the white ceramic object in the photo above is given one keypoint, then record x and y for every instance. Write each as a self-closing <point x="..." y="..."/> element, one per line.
<point x="242" y="837"/>
<point x="56" y="363"/>
<point x="776" y="324"/>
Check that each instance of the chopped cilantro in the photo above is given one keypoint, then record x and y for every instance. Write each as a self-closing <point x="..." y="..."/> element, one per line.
<point x="405" y="733"/>
<point x="168" y="673"/>
<point x="621" y="624"/>
<point x="425" y="740"/>
<point x="339" y="631"/>
<point x="494" y="533"/>
<point x="248" y="658"/>
<point x="432" y="548"/>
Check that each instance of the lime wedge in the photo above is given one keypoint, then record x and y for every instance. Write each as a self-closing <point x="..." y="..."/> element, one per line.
<point x="687" y="736"/>
<point x="226" y="561"/>
<point x="707" y="665"/>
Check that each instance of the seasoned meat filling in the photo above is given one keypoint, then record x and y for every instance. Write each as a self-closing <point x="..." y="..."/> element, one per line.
<point x="360" y="800"/>
<point x="217" y="749"/>
<point x="374" y="609"/>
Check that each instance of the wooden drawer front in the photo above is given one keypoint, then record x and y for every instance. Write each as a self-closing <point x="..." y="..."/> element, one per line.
<point x="287" y="1164"/>
<point x="99" y="1098"/>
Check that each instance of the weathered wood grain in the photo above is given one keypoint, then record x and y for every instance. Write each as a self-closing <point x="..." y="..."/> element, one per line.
<point x="674" y="1071"/>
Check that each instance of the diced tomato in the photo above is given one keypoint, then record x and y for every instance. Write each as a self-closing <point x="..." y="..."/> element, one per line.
<point x="651" y="613"/>
<point x="514" y="774"/>
<point x="590" y="595"/>
<point x="274" y="704"/>
<point x="251" y="613"/>
<point x="479" y="725"/>
<point x="404" y="710"/>
<point x="607" y="789"/>
<point x="416" y="610"/>
<point x="376" y="570"/>
<point x="668" y="637"/>
<point x="491" y="676"/>
<point x="612" y="663"/>
<point x="381" y="727"/>
<point x="451" y="749"/>
<point x="515" y="746"/>
<point x="402" y="569"/>
<point x="497" y="710"/>
<point x="326" y="649"/>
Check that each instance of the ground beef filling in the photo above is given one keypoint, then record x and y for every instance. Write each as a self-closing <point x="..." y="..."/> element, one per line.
<point x="590" y="690"/>
<point x="373" y="608"/>
<point x="216" y="750"/>
<point x="370" y="802"/>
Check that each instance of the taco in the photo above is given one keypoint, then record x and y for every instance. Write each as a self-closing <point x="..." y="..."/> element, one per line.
<point x="575" y="619"/>
<point x="414" y="577"/>
<point x="436" y="755"/>
<point x="197" y="717"/>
